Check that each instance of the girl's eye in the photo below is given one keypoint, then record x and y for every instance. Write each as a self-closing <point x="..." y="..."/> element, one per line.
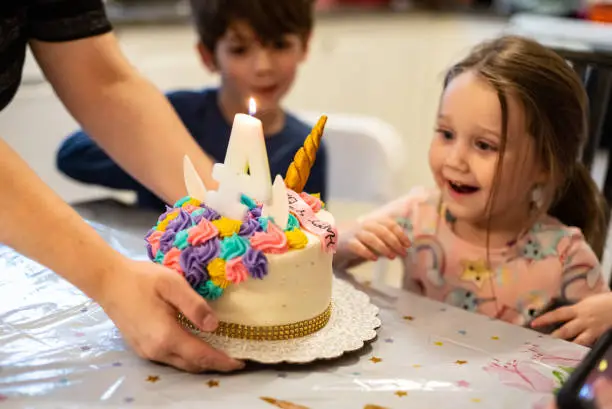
<point x="446" y="135"/>
<point x="486" y="146"/>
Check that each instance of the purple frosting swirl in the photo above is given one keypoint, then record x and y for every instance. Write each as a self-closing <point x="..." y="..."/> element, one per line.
<point x="193" y="262"/>
<point x="164" y="214"/>
<point x="256" y="212"/>
<point x="182" y="222"/>
<point x="166" y="240"/>
<point x="150" y="252"/>
<point x="208" y="214"/>
<point x="248" y="227"/>
<point x="256" y="263"/>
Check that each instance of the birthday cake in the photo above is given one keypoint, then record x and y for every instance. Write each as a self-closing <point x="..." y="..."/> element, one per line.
<point x="266" y="274"/>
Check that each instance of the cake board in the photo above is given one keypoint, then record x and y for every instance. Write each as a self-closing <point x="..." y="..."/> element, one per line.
<point x="353" y="323"/>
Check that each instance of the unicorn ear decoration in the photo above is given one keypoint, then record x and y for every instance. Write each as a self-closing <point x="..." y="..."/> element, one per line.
<point x="193" y="183"/>
<point x="278" y="209"/>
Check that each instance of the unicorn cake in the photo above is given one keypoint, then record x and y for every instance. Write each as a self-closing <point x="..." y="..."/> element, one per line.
<point x="265" y="266"/>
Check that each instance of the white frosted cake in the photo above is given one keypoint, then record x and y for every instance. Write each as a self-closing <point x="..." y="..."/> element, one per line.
<point x="264" y="281"/>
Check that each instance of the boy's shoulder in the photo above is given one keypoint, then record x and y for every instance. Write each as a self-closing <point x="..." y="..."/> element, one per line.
<point x="295" y="128"/>
<point x="191" y="96"/>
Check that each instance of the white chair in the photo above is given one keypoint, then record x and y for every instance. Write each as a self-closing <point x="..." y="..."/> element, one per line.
<point x="365" y="158"/>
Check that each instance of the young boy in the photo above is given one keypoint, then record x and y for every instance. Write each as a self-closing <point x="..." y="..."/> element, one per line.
<point x="256" y="46"/>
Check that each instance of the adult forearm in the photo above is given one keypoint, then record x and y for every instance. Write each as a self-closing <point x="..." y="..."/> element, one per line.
<point x="136" y="125"/>
<point x="38" y="224"/>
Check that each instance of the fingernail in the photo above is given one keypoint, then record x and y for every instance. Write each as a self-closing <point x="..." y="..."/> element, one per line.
<point x="210" y="323"/>
<point x="239" y="364"/>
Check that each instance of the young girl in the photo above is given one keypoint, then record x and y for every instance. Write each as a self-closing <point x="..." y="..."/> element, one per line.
<point x="515" y="220"/>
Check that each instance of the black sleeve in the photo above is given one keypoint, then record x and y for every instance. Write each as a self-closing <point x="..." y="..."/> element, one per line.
<point x="66" y="20"/>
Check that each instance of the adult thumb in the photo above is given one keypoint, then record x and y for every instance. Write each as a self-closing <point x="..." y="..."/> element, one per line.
<point x="180" y="295"/>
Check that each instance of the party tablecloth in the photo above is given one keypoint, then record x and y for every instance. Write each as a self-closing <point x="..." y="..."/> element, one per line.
<point x="59" y="350"/>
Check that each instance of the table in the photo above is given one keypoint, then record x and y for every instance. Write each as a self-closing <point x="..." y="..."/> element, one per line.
<point x="60" y="350"/>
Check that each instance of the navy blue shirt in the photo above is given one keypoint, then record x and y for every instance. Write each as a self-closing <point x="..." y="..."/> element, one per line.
<point x="80" y="158"/>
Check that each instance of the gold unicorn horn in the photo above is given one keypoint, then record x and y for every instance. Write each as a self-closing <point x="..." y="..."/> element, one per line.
<point x="299" y="170"/>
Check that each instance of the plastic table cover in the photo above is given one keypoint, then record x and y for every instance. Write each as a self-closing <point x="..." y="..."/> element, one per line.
<point x="59" y="350"/>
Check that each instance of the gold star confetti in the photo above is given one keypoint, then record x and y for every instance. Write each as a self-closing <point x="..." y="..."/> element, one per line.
<point x="408" y="318"/>
<point x="375" y="360"/>
<point x="401" y="393"/>
<point x="152" y="378"/>
<point x="476" y="400"/>
<point x="460" y="362"/>
<point x="438" y="344"/>
<point x="374" y="407"/>
<point x="417" y="366"/>
<point x="213" y="383"/>
<point x="495" y="338"/>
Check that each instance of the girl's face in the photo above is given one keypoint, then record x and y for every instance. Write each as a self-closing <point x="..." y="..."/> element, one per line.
<point x="465" y="151"/>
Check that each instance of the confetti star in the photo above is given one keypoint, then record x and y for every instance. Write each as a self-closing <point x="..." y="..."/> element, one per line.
<point x="463" y="384"/>
<point x="495" y="338"/>
<point x="374" y="407"/>
<point x="117" y="364"/>
<point x="476" y="400"/>
<point x="401" y="393"/>
<point x="462" y="332"/>
<point x="282" y="375"/>
<point x="213" y="383"/>
<point x="375" y="360"/>
<point x="408" y="318"/>
<point x="438" y="343"/>
<point x="85" y="348"/>
<point x="416" y="366"/>
<point x="152" y="378"/>
<point x="389" y="340"/>
<point x="460" y="362"/>
<point x="128" y="400"/>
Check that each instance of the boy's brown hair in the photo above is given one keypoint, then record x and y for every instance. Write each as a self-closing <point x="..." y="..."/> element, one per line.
<point x="270" y="19"/>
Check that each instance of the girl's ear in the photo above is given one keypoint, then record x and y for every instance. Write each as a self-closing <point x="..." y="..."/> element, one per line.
<point x="207" y="57"/>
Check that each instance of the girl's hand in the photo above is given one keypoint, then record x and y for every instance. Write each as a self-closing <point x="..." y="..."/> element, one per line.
<point x="585" y="321"/>
<point x="143" y="299"/>
<point x="382" y="236"/>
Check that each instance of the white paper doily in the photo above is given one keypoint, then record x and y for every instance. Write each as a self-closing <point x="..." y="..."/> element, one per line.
<point x="354" y="320"/>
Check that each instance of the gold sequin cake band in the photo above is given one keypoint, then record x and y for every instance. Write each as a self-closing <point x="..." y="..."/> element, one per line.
<point x="268" y="333"/>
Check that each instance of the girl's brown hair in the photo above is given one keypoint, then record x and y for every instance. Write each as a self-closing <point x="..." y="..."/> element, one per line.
<point x="555" y="108"/>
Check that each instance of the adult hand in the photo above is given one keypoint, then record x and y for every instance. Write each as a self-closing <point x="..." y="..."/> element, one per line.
<point x="143" y="299"/>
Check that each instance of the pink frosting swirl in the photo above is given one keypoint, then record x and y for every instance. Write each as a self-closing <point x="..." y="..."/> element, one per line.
<point x="201" y="233"/>
<point x="172" y="260"/>
<point x="273" y="241"/>
<point x="153" y="240"/>
<point x="189" y="208"/>
<point x="313" y="202"/>
<point x="235" y="270"/>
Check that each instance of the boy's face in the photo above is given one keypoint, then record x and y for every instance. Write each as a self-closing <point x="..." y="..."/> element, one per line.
<point x="250" y="69"/>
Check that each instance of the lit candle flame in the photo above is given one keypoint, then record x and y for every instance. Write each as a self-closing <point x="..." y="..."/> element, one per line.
<point x="252" y="106"/>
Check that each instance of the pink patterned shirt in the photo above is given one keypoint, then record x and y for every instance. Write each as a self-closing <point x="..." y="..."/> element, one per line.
<point x="551" y="260"/>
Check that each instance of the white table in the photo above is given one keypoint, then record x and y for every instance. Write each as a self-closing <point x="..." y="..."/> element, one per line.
<point x="59" y="350"/>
